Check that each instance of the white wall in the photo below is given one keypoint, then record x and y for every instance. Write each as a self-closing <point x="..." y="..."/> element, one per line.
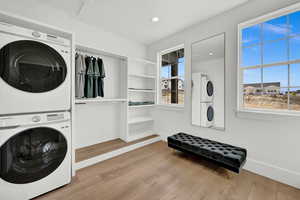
<point x="93" y="37"/>
<point x="272" y="143"/>
<point x="85" y="34"/>
<point x="215" y="71"/>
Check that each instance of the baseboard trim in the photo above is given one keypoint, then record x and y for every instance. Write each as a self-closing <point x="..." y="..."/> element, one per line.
<point x="106" y="156"/>
<point x="279" y="174"/>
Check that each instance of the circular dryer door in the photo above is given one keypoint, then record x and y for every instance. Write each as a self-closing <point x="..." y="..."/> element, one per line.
<point x="210" y="88"/>
<point x="32" y="66"/>
<point x="32" y="155"/>
<point x="210" y="113"/>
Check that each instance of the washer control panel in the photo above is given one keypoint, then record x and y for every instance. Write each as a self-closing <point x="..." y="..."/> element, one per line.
<point x="32" y="119"/>
<point x="36" y="118"/>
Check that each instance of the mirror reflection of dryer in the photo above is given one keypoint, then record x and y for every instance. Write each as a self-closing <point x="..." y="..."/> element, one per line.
<point x="34" y="71"/>
<point x="207" y="89"/>
<point x="35" y="154"/>
<point x="207" y="116"/>
<point x="208" y="58"/>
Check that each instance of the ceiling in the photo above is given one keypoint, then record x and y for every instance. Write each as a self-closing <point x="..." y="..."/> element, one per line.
<point x="132" y="18"/>
<point x="208" y="49"/>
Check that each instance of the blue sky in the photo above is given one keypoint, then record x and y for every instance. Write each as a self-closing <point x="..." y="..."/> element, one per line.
<point x="166" y="70"/>
<point x="276" y="51"/>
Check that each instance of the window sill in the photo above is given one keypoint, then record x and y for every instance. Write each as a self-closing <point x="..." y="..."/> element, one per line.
<point x="265" y="114"/>
<point x="170" y="107"/>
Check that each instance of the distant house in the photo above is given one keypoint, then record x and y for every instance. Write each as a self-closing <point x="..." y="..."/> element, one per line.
<point x="166" y="84"/>
<point x="271" y="88"/>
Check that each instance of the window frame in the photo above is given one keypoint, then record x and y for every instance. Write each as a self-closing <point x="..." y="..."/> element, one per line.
<point x="240" y="88"/>
<point x="159" y="78"/>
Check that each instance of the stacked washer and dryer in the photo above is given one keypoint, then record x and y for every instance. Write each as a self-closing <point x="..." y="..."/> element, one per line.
<point x="35" y="127"/>
<point x="203" y="113"/>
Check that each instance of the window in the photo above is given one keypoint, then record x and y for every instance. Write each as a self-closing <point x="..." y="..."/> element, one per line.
<point x="172" y="67"/>
<point x="269" y="63"/>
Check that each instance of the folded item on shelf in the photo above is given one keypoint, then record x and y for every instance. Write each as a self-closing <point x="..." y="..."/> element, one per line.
<point x="139" y="103"/>
<point x="140" y="89"/>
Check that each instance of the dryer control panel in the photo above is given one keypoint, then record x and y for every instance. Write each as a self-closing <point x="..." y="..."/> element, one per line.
<point x="32" y="119"/>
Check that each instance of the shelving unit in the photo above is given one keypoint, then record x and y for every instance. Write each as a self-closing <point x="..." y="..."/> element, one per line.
<point x="142" y="106"/>
<point x="137" y="120"/>
<point x="98" y="100"/>
<point x="104" y="119"/>
<point x="106" y="126"/>
<point x="141" y="88"/>
<point x="141" y="76"/>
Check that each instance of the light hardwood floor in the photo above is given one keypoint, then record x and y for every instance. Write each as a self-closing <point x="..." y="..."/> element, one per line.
<point x="157" y="172"/>
<point x="105" y="147"/>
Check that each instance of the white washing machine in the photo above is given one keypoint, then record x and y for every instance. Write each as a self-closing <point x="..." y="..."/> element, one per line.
<point x="35" y="154"/>
<point x="207" y="116"/>
<point x="35" y="71"/>
<point x="207" y="89"/>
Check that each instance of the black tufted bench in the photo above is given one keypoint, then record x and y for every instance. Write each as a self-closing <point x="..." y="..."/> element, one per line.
<point x="227" y="156"/>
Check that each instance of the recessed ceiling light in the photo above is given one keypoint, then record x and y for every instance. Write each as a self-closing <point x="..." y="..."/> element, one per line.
<point x="155" y="19"/>
<point x="210" y="53"/>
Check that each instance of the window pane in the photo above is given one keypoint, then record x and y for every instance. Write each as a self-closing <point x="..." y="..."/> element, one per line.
<point x="294" y="48"/>
<point x="172" y="77"/>
<point x="276" y="76"/>
<point x="251" y="35"/>
<point x="251" y="56"/>
<point x="252" y="96"/>
<point x="252" y="76"/>
<point x="180" y="91"/>
<point x="181" y="67"/>
<point x="295" y="22"/>
<point x="295" y="74"/>
<point x="165" y="91"/>
<point x="181" y="83"/>
<point x="265" y="99"/>
<point x="166" y="71"/>
<point x="295" y="99"/>
<point x="275" y="29"/>
<point x="275" y="52"/>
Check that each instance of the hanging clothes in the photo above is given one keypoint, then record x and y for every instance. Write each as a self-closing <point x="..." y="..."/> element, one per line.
<point x="101" y="77"/>
<point x="89" y="90"/>
<point x="80" y="70"/>
<point x="95" y="77"/>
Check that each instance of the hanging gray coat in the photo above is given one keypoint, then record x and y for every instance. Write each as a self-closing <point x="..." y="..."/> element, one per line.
<point x="96" y="77"/>
<point x="101" y="77"/>
<point x="80" y="70"/>
<point x="89" y="89"/>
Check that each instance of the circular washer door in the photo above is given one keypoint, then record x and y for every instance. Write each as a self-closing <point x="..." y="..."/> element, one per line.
<point x="32" y="66"/>
<point x="32" y="155"/>
<point x="209" y="88"/>
<point x="210" y="113"/>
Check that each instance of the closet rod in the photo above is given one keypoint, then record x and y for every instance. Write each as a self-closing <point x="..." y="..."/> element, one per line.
<point x="98" y="54"/>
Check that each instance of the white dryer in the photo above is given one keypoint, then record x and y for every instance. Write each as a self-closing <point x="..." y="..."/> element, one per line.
<point x="207" y="89"/>
<point x="35" y="71"/>
<point x="35" y="154"/>
<point x="207" y="116"/>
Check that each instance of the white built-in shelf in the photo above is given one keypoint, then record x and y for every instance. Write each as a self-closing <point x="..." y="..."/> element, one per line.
<point x="142" y="76"/>
<point x="138" y="90"/>
<point x="98" y="100"/>
<point x="135" y="136"/>
<point x="142" y="106"/>
<point x="143" y="61"/>
<point x="137" y="120"/>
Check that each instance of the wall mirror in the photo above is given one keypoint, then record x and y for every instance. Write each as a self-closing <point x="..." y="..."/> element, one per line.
<point x="208" y="82"/>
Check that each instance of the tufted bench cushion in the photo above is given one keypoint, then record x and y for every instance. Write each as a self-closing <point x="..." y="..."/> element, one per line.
<point x="227" y="156"/>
